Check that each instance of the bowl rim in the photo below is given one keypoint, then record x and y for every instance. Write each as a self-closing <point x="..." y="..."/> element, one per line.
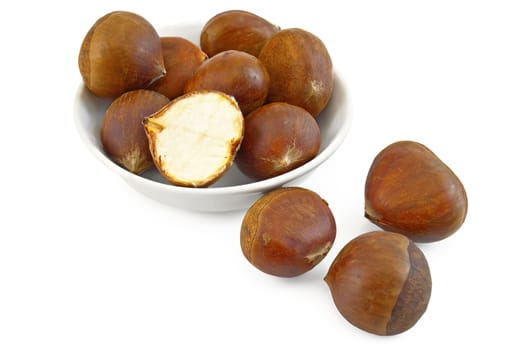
<point x="253" y="187"/>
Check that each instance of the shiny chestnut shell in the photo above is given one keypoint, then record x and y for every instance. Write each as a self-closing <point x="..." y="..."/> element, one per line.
<point x="236" y="30"/>
<point x="380" y="282"/>
<point x="181" y="59"/>
<point x="235" y="73"/>
<point x="287" y="232"/>
<point x="122" y="133"/>
<point x="279" y="137"/>
<point x="121" y="52"/>
<point x="411" y="191"/>
<point x="300" y="69"/>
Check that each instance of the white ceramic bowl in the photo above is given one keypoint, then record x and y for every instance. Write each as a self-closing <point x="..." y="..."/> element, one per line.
<point x="234" y="190"/>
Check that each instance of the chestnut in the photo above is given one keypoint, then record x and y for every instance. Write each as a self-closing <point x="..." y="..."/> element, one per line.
<point x="181" y="59"/>
<point x="287" y="231"/>
<point x="411" y="191"/>
<point x="235" y="73"/>
<point x="194" y="139"/>
<point x="122" y="134"/>
<point x="300" y="69"/>
<point x="380" y="282"/>
<point x="236" y="30"/>
<point x="121" y="52"/>
<point x="278" y="137"/>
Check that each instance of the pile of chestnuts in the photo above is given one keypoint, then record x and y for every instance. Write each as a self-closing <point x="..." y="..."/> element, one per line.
<point x="380" y="281"/>
<point x="250" y="93"/>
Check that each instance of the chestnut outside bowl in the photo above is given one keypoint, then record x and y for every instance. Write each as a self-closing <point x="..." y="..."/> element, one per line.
<point x="233" y="191"/>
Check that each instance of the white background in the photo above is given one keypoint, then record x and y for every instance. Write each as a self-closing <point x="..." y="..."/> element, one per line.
<point x="87" y="263"/>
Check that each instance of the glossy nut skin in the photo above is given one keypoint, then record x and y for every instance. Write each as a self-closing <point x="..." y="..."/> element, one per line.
<point x="235" y="73"/>
<point x="236" y="30"/>
<point x="120" y="52"/>
<point x="300" y="70"/>
<point x="287" y="232"/>
<point x="411" y="191"/>
<point x="279" y="137"/>
<point x="122" y="134"/>
<point x="181" y="59"/>
<point x="380" y="282"/>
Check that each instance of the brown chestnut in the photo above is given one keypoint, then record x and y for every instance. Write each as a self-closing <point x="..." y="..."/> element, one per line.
<point x="235" y="73"/>
<point x="181" y="59"/>
<point x="411" y="191"/>
<point x="278" y="137"/>
<point x="380" y="282"/>
<point x="236" y="30"/>
<point x="287" y="231"/>
<point x="121" y="52"/>
<point x="122" y="134"/>
<point x="300" y="69"/>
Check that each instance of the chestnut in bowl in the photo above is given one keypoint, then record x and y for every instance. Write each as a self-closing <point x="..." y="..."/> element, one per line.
<point x="234" y="190"/>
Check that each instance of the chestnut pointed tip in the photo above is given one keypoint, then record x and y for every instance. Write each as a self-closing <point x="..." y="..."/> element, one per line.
<point x="159" y="76"/>
<point x="372" y="216"/>
<point x="326" y="279"/>
<point x="151" y="125"/>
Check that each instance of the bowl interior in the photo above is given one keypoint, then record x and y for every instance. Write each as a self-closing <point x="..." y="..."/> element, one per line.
<point x="333" y="121"/>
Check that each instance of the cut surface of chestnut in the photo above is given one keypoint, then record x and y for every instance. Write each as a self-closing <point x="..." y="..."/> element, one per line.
<point x="194" y="139"/>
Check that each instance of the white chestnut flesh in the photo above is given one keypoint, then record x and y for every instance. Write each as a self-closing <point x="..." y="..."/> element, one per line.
<point x="194" y="139"/>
